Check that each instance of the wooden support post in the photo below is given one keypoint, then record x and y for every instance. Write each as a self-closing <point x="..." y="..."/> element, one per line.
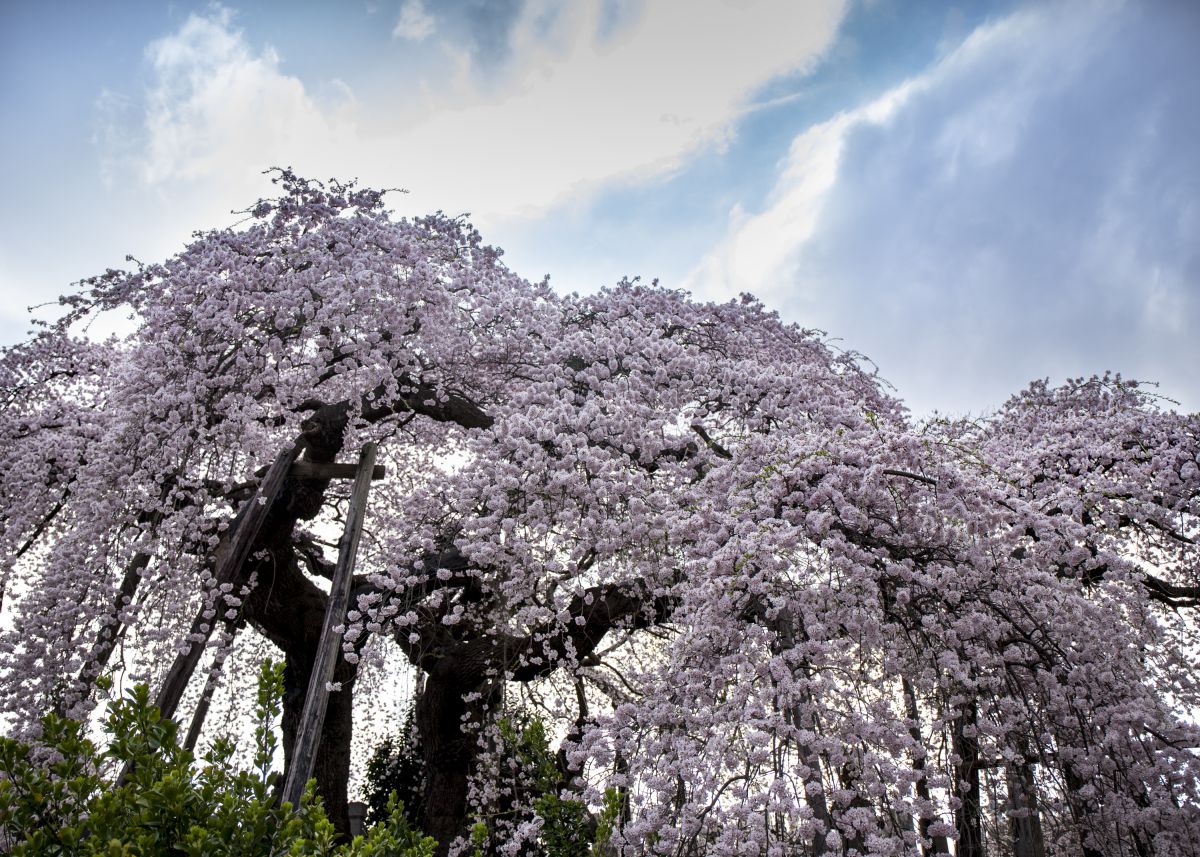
<point x="210" y="687"/>
<point x="252" y="517"/>
<point x="319" y="470"/>
<point x="312" y="719"/>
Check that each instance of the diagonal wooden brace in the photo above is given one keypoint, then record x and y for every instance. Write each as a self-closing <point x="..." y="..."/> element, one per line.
<point x="244" y="537"/>
<point x="312" y="719"/>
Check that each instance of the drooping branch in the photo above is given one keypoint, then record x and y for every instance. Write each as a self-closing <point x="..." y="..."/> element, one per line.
<point x="1171" y="594"/>
<point x="905" y="474"/>
<point x="719" y="450"/>
<point x="469" y="657"/>
<point x="328" y="420"/>
<point x="43" y="524"/>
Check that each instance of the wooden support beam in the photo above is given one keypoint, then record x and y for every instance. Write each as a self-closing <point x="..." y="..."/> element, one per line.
<point x="316" y="470"/>
<point x="245" y="534"/>
<point x="312" y="719"/>
<point x="206" y="695"/>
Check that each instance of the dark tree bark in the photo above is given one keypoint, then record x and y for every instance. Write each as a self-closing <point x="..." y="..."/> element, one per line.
<point x="967" y="816"/>
<point x="462" y="662"/>
<point x="1024" y="823"/>
<point x="449" y="753"/>
<point x="854" y="840"/>
<point x="938" y="844"/>
<point x="1082" y="809"/>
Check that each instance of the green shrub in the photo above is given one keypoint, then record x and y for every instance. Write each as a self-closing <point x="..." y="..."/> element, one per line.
<point x="567" y="826"/>
<point x="63" y="796"/>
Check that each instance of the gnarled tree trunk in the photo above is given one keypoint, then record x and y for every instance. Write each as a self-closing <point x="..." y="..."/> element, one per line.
<point x="449" y="751"/>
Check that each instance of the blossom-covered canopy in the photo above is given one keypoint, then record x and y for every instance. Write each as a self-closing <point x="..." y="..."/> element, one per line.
<point x="763" y="606"/>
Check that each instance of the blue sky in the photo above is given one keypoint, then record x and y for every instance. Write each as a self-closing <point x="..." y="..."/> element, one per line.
<point x="973" y="195"/>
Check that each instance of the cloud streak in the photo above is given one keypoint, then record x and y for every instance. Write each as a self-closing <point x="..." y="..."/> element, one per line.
<point x="1025" y="208"/>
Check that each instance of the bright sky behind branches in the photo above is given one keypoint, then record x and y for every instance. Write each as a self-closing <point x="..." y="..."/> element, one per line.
<point x="973" y="195"/>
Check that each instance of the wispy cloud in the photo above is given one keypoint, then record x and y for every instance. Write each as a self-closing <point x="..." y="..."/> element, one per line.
<point x="415" y="24"/>
<point x="760" y="251"/>
<point x="1024" y="208"/>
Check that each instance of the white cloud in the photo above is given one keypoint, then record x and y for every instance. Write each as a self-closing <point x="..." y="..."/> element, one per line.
<point x="215" y="114"/>
<point x="982" y="128"/>
<point x="759" y="252"/>
<point x="1024" y="208"/>
<point x="414" y="24"/>
<point x="639" y="103"/>
<point x="573" y="109"/>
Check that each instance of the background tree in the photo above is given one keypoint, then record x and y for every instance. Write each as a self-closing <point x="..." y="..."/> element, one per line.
<point x="769" y="612"/>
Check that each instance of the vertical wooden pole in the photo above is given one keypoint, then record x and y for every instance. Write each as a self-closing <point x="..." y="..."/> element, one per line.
<point x="312" y="719"/>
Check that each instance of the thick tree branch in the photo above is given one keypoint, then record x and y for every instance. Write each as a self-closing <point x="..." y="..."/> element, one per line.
<point x="601" y="609"/>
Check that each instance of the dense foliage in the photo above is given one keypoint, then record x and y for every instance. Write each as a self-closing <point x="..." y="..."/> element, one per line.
<point x="761" y="610"/>
<point x="59" y="796"/>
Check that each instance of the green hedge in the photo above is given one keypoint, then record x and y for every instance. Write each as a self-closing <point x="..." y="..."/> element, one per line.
<point x="59" y="795"/>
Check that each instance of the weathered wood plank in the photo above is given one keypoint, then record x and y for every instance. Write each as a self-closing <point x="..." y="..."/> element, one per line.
<point x="246" y="533"/>
<point x="316" y="470"/>
<point x="210" y="687"/>
<point x="312" y="719"/>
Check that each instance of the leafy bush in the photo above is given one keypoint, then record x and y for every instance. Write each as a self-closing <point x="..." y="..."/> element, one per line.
<point x="567" y="827"/>
<point x="62" y="796"/>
